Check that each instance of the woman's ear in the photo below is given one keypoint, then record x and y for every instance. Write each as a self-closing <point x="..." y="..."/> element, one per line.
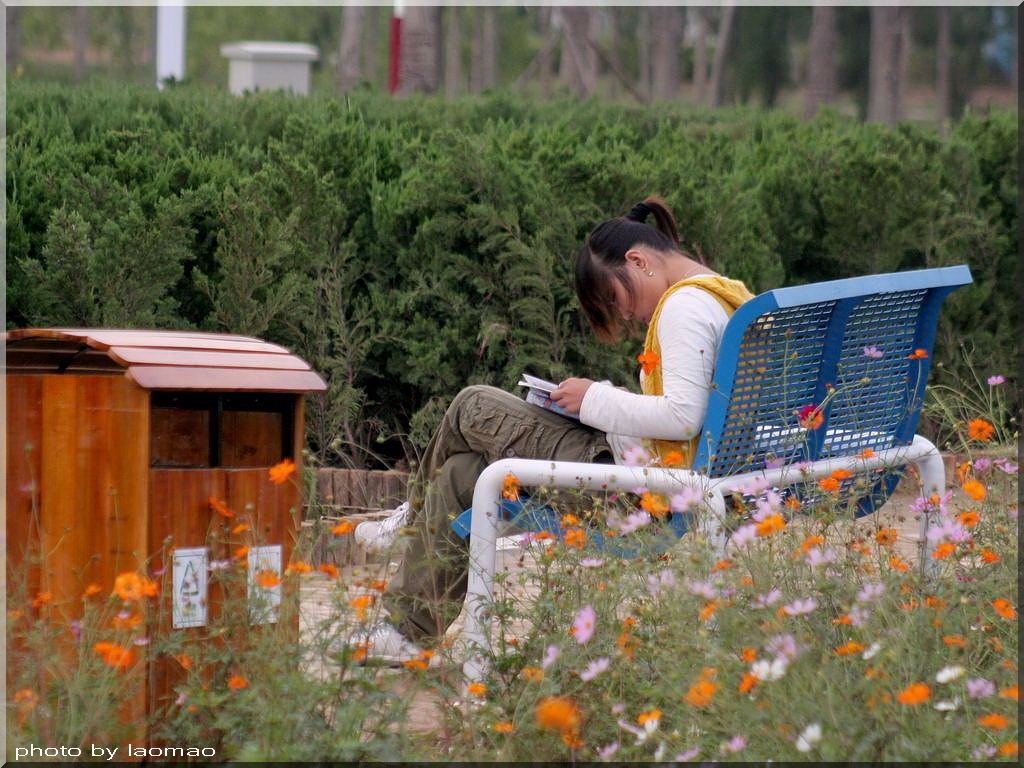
<point x="636" y="259"/>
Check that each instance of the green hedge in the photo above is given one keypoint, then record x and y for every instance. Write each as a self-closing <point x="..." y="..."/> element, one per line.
<point x="408" y="247"/>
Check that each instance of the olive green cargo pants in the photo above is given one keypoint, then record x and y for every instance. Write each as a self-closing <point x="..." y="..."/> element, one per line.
<point x="482" y="424"/>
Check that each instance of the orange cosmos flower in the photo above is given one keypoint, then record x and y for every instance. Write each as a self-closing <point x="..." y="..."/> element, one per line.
<point x="672" y="459"/>
<point x="298" y="567"/>
<point x="237" y="683"/>
<point x="849" y="648"/>
<point x="476" y="689"/>
<point x="510" y="488"/>
<point x="771" y="524"/>
<point x="343" y="528"/>
<point x="360" y="651"/>
<point x="914" y="694"/>
<point x="280" y="472"/>
<point x="1004" y="608"/>
<point x="570" y="520"/>
<point x="651" y="716"/>
<point x="748" y="682"/>
<point x="504" y="727"/>
<point x="975" y="490"/>
<point x="126" y="620"/>
<point x="980" y="430"/>
<point x="829" y="485"/>
<point x="988" y="556"/>
<point x="944" y="550"/>
<point x="841" y="474"/>
<point x="1009" y="749"/>
<point x="708" y="610"/>
<point x="1009" y="693"/>
<point x="811" y="542"/>
<point x="92" y="589"/>
<point x="962" y="470"/>
<point x="114" y="655"/>
<point x="843" y="620"/>
<point x="240" y="528"/>
<point x="576" y="538"/>
<point x="654" y="504"/>
<point x="810" y="417"/>
<point x="532" y="674"/>
<point x="241" y="553"/>
<point x="935" y="602"/>
<point x="360" y="605"/>
<point x="748" y="655"/>
<point x="648" y="361"/>
<point x="267" y="579"/>
<point x="184" y="660"/>
<point x="129" y="586"/>
<point x="558" y="713"/>
<point x="918" y="354"/>
<point x="42" y="599"/>
<point x="220" y="507"/>
<point x="701" y="694"/>
<point x="721" y="565"/>
<point x="329" y="569"/>
<point x="867" y="453"/>
<point x="792" y="502"/>
<point x="954" y="640"/>
<point x="887" y="537"/>
<point x="899" y="565"/>
<point x="993" y="722"/>
<point x="969" y="519"/>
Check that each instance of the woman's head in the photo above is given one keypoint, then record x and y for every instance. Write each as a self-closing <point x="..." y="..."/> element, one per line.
<point x="617" y="267"/>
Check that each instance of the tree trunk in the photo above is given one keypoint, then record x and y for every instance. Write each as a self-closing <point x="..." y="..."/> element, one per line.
<point x="721" y="50"/>
<point x="350" y="71"/>
<point x="453" y="52"/>
<point x="699" y="20"/>
<point x="578" y="65"/>
<point x="614" y="44"/>
<point x="943" y="83"/>
<point x="420" y="70"/>
<point x="547" y="47"/>
<point x="489" y="75"/>
<point x="476" y="52"/>
<point x="885" y="88"/>
<point x="81" y="40"/>
<point x="821" y="66"/>
<point x="13" y="38"/>
<point x="371" y="43"/>
<point x="667" y="21"/>
<point x="643" y="47"/>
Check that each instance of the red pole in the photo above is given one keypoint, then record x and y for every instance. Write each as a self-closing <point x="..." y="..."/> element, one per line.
<point x="396" y="50"/>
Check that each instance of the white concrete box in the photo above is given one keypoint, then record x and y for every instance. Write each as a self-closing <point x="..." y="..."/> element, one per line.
<point x="264" y="66"/>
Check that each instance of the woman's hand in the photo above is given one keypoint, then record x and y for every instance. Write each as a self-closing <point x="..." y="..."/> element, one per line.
<point x="569" y="394"/>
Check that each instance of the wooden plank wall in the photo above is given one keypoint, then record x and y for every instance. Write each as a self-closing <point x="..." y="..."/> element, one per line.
<point x="356" y="490"/>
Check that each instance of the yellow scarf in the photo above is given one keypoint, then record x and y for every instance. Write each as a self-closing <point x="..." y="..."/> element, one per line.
<point x="730" y="294"/>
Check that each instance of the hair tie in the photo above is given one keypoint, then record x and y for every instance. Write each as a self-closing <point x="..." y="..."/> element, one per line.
<point x="639" y="213"/>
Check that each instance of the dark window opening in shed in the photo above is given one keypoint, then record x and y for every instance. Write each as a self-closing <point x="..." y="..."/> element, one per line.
<point x="211" y="429"/>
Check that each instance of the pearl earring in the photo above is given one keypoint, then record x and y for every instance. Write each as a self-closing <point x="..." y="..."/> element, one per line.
<point x="650" y="274"/>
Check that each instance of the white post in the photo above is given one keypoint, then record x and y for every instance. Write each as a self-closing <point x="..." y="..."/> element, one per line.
<point x="170" y="43"/>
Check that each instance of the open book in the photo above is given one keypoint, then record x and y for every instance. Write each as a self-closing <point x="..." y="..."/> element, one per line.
<point x="539" y="393"/>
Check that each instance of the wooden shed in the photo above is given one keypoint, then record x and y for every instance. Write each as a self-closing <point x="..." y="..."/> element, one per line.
<point x="118" y="439"/>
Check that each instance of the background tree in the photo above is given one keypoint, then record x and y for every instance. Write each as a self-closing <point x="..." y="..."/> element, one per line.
<point x="721" y="49"/>
<point x="889" y="41"/>
<point x="81" y="40"/>
<point x="698" y="20"/>
<point x="821" y="61"/>
<point x="420" y="70"/>
<point x="666" y="39"/>
<point x="578" y="62"/>
<point x="759" y="58"/>
<point x="943" y="61"/>
<point x="350" y="70"/>
<point x="643" y="47"/>
<point x="452" y="51"/>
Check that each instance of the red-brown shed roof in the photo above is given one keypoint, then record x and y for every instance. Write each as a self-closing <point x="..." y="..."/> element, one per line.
<point x="164" y="359"/>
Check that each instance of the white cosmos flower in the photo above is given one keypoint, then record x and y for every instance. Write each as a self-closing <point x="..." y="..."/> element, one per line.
<point x="871" y="650"/>
<point x="948" y="706"/>
<point x="810" y="736"/>
<point x="948" y="674"/>
<point x="769" y="670"/>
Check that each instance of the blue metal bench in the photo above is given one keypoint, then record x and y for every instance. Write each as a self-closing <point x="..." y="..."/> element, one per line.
<point x="782" y="351"/>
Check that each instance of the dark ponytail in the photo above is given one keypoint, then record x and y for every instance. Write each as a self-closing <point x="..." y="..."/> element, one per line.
<point x="603" y="258"/>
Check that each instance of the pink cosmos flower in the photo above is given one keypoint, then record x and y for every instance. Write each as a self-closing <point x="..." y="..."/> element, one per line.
<point x="632" y="522"/>
<point x="605" y="753"/>
<point x="685" y="499"/>
<point x="1006" y="466"/>
<point x="874" y="353"/>
<point x="552" y="653"/>
<point x="784" y="646"/>
<point x="995" y="381"/>
<point x="687" y="756"/>
<point x="763" y="601"/>
<point x="702" y="589"/>
<point x="744" y="535"/>
<point x="635" y="456"/>
<point x="982" y="465"/>
<point x="591" y="562"/>
<point x="800" y="607"/>
<point x="980" y="688"/>
<point x="657" y="584"/>
<point x="594" y="668"/>
<point x="755" y="487"/>
<point x="817" y="557"/>
<point x="583" y="626"/>
<point x="871" y="591"/>
<point x="734" y="745"/>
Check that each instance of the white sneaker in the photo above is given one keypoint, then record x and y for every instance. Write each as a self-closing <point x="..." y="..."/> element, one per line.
<point x="378" y="535"/>
<point x="382" y="642"/>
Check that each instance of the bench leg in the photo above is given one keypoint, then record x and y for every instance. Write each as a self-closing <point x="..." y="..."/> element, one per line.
<point x="933" y="480"/>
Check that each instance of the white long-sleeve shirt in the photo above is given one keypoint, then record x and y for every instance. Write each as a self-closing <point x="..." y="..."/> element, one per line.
<point x="690" y="331"/>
